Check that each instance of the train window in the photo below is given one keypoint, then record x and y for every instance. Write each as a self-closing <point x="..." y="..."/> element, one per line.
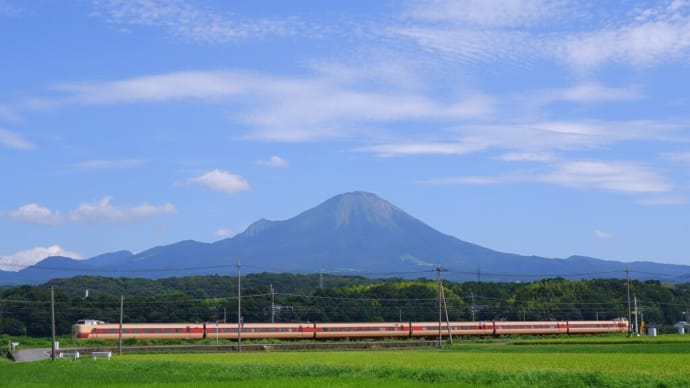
<point x="168" y="330"/>
<point x="156" y="330"/>
<point x="113" y="331"/>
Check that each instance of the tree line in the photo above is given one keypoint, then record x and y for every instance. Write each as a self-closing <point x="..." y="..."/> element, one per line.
<point x="267" y="297"/>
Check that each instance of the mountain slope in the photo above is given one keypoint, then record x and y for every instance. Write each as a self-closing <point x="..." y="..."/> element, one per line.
<point x="356" y="233"/>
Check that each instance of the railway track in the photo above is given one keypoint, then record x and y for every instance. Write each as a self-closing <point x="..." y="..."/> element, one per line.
<point x="250" y="347"/>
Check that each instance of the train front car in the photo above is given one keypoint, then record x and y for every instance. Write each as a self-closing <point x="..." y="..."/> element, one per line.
<point x="82" y="329"/>
<point x="362" y="330"/>
<point x="93" y="329"/>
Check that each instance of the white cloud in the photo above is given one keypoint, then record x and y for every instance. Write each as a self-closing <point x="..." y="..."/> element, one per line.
<point x="677" y="156"/>
<point x="527" y="157"/>
<point x="623" y="177"/>
<point x="182" y="19"/>
<point x="284" y="108"/>
<point x="649" y="36"/>
<point x="530" y="141"/>
<point x="589" y="92"/>
<point x="102" y="212"/>
<point x="161" y="87"/>
<point x="221" y="181"/>
<point x="36" y="214"/>
<point x="223" y="232"/>
<point x="22" y="259"/>
<point x="486" y="13"/>
<point x="273" y="161"/>
<point x="422" y="148"/>
<point x="628" y="177"/>
<point x="476" y="31"/>
<point x="638" y="44"/>
<point x="602" y="235"/>
<point x="108" y="164"/>
<point x="13" y="140"/>
<point x="99" y="212"/>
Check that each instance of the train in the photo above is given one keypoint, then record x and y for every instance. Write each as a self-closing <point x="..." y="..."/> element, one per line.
<point x="98" y="330"/>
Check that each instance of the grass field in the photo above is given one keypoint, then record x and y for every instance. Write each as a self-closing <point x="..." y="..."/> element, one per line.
<point x="579" y="362"/>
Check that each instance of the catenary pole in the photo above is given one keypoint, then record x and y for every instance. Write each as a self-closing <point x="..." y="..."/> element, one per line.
<point x="119" y="337"/>
<point x="52" y="326"/>
<point x="239" y="309"/>
<point x="627" y="278"/>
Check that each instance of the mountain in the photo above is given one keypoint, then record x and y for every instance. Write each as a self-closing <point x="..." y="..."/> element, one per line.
<point x="354" y="233"/>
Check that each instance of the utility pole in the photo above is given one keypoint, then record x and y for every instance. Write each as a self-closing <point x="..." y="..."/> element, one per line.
<point x="273" y="305"/>
<point x="321" y="279"/>
<point x="52" y="326"/>
<point x="627" y="277"/>
<point x="440" y="300"/>
<point x="472" y="307"/>
<point x="239" y="310"/>
<point x="637" y="324"/>
<point x="445" y="307"/>
<point x="119" y="337"/>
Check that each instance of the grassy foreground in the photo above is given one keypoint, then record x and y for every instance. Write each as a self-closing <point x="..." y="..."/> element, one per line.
<point x="499" y="364"/>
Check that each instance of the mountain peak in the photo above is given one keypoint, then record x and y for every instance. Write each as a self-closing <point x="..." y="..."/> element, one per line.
<point x="361" y="206"/>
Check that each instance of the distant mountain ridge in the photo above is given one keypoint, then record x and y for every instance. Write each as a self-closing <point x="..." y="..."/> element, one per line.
<point x="357" y="233"/>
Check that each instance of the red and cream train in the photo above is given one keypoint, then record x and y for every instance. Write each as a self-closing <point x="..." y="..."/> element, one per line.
<point x="93" y="329"/>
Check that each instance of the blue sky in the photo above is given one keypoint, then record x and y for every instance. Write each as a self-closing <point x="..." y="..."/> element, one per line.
<point x="547" y="128"/>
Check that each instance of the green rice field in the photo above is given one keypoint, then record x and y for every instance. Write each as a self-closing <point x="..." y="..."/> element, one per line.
<point x="589" y="362"/>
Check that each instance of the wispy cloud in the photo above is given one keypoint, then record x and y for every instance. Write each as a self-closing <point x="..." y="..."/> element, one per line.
<point x="620" y="176"/>
<point x="475" y="31"/>
<point x="652" y="35"/>
<point x="185" y="20"/>
<point x="600" y="234"/>
<point x="99" y="164"/>
<point x="98" y="212"/>
<point x="537" y="141"/>
<point x="220" y="180"/>
<point x="478" y="31"/>
<point x="283" y="108"/>
<point x="224" y="233"/>
<point x="273" y="161"/>
<point x="424" y="148"/>
<point x="29" y="257"/>
<point x="628" y="177"/>
<point x="14" y="140"/>
<point x="528" y="157"/>
<point x="677" y="156"/>
<point x="589" y="92"/>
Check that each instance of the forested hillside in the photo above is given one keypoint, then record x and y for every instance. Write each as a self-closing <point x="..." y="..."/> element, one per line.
<point x="25" y="310"/>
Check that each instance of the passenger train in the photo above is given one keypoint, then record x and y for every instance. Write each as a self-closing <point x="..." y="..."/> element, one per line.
<point x="94" y="329"/>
